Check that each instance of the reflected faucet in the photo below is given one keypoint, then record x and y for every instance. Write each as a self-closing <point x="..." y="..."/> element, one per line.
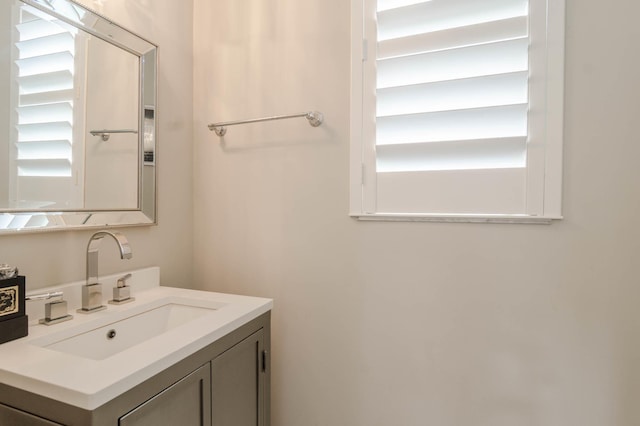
<point x="92" y="290"/>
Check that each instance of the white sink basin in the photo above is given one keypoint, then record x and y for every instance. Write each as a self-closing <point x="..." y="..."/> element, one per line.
<point x="108" y="340"/>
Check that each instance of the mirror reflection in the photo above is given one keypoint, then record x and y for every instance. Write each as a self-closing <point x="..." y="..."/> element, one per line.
<point x="77" y="116"/>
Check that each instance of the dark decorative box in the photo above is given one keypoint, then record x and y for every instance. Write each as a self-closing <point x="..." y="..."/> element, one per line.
<point x="13" y="318"/>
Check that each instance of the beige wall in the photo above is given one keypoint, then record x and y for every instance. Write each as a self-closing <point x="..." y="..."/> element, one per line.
<point x="417" y="324"/>
<point x="48" y="259"/>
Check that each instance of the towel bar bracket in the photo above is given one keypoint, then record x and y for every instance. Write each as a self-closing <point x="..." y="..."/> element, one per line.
<point x="315" y="119"/>
<point x="106" y="134"/>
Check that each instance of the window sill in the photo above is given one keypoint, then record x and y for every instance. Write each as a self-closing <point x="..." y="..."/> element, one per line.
<point x="451" y="218"/>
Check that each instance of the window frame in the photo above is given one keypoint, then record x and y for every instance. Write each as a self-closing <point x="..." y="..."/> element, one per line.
<point x="546" y="105"/>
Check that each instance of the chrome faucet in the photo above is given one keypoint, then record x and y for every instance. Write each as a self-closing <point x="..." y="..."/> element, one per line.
<point x="92" y="290"/>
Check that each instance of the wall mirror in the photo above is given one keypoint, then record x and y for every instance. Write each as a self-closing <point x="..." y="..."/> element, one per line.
<point x="77" y="119"/>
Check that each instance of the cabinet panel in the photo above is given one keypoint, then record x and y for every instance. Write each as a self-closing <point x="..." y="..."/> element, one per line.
<point x="185" y="403"/>
<point x="238" y="384"/>
<point x="12" y="417"/>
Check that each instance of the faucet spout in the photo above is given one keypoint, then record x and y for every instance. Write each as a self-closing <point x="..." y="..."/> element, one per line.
<point x="92" y="291"/>
<point x="94" y="246"/>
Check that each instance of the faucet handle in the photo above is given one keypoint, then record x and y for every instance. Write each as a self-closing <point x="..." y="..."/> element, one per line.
<point x="122" y="281"/>
<point x="122" y="292"/>
<point x="54" y="311"/>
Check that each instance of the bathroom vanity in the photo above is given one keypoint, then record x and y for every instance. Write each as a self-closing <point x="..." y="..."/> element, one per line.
<point x="171" y="357"/>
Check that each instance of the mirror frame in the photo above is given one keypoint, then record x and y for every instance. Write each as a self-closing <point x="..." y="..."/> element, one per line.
<point x="95" y="24"/>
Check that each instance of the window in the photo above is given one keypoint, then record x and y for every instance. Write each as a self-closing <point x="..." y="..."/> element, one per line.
<point x="457" y="109"/>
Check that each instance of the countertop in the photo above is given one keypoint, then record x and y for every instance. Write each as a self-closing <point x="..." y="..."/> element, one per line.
<point x="88" y="383"/>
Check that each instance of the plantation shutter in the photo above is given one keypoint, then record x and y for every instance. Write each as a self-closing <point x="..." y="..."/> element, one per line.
<point x="454" y="95"/>
<point x="44" y="149"/>
<point x="461" y="81"/>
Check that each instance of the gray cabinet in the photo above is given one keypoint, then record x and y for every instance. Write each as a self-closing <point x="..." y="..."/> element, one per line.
<point x="12" y="417"/>
<point x="238" y="384"/>
<point x="224" y="384"/>
<point x="186" y="403"/>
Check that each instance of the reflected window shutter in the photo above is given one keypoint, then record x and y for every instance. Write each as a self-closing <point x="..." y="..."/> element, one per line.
<point x="46" y="92"/>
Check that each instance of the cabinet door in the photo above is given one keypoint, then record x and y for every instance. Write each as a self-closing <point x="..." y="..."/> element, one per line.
<point x="12" y="417"/>
<point x="185" y="403"/>
<point x="238" y="384"/>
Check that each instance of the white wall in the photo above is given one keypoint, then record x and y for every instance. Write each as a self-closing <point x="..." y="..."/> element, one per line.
<point x="52" y="258"/>
<point x="417" y="324"/>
